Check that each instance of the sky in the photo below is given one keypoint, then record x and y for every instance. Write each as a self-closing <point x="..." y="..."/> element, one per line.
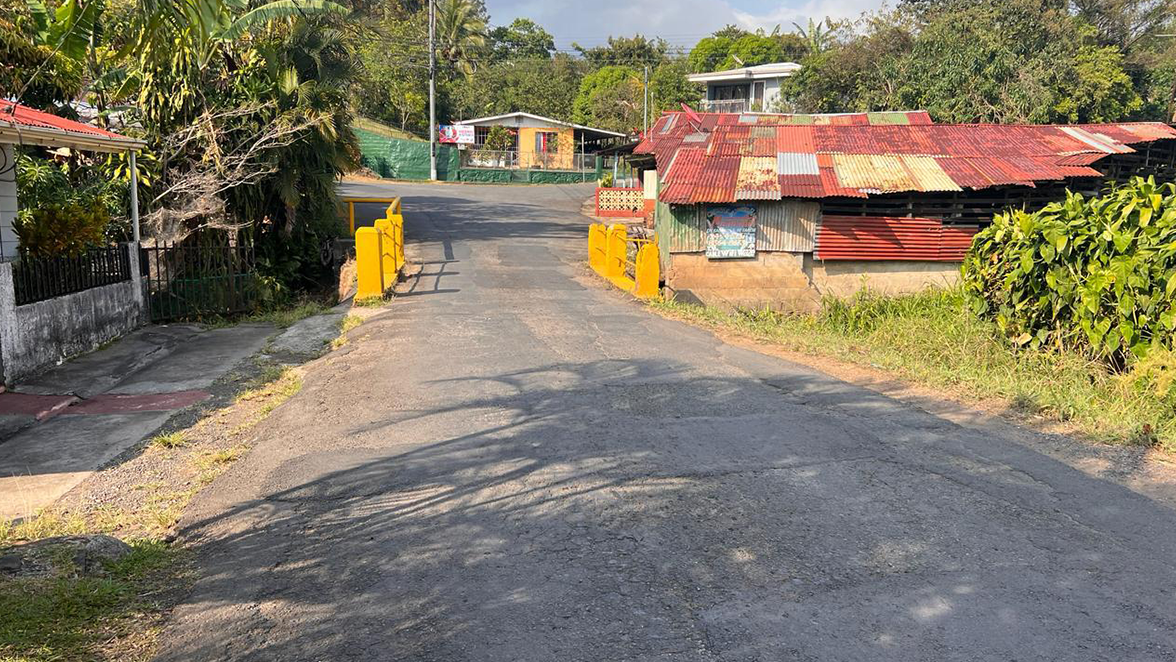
<point x="680" y="22"/>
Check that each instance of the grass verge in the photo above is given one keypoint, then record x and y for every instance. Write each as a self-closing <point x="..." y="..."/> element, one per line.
<point x="62" y="616"/>
<point x="117" y="615"/>
<point x="934" y="339"/>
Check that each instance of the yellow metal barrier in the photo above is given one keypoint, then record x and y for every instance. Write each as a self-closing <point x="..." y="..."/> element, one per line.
<point x="608" y="255"/>
<point x="596" y="247"/>
<point x="379" y="252"/>
<point x="393" y="208"/>
<point x="369" y="275"/>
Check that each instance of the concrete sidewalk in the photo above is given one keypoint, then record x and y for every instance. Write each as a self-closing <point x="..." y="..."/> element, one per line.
<point x="59" y="427"/>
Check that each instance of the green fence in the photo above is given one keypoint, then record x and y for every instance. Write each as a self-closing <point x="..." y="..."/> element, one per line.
<point x="395" y="158"/>
<point x="404" y="159"/>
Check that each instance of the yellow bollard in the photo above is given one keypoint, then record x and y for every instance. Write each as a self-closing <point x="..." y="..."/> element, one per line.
<point x="646" y="272"/>
<point x="387" y="252"/>
<point x="596" y="247"/>
<point x="368" y="262"/>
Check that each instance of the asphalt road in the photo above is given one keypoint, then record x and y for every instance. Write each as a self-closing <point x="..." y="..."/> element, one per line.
<point x="517" y="464"/>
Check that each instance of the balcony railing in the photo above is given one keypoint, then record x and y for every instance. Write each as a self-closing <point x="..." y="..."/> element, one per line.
<point x="725" y="106"/>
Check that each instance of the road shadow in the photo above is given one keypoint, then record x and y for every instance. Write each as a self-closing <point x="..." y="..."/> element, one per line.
<point x="637" y="509"/>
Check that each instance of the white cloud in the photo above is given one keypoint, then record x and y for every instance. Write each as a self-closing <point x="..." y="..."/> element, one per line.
<point x="788" y="13"/>
<point x="680" y="22"/>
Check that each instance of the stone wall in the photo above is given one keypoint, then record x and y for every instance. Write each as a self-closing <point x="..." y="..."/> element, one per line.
<point x="38" y="335"/>
<point x="794" y="282"/>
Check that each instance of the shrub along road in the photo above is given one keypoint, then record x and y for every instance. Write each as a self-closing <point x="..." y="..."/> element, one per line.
<point x="518" y="464"/>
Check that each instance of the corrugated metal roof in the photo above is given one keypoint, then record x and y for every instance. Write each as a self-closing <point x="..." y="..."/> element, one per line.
<point x="891" y="238"/>
<point x="857" y="154"/>
<point x="15" y="117"/>
<point x="757" y="179"/>
<point x="796" y="163"/>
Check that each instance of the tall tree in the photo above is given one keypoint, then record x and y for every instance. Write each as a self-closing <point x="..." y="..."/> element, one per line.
<point x="461" y="33"/>
<point x="522" y="39"/>
<point x="635" y="51"/>
<point x="610" y="98"/>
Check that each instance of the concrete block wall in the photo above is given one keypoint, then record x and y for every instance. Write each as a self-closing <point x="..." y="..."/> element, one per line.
<point x="775" y="280"/>
<point x="794" y="282"/>
<point x="8" y="203"/>
<point x="843" y="278"/>
<point x="38" y="335"/>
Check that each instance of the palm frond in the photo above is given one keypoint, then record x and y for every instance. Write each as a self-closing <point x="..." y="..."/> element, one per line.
<point x="279" y="9"/>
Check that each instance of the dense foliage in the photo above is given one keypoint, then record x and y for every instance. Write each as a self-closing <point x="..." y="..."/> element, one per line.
<point x="1098" y="274"/>
<point x="245" y="106"/>
<point x="996" y="61"/>
<point x="55" y="229"/>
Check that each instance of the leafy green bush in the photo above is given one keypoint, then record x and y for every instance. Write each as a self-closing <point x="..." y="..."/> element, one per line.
<point x="55" y="230"/>
<point x="1096" y="275"/>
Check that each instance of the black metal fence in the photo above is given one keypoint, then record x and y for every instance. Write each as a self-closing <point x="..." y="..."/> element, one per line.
<point x="199" y="279"/>
<point x="39" y="279"/>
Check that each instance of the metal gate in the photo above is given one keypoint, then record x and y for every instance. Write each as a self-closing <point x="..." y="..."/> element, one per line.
<point x="199" y="279"/>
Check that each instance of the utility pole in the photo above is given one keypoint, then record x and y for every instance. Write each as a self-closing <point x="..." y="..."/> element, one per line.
<point x="432" y="93"/>
<point x="645" y="105"/>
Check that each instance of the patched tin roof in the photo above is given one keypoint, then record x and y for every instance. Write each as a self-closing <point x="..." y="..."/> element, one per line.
<point x="763" y="157"/>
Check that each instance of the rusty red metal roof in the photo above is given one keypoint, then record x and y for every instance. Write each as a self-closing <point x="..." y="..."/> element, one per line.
<point x="858" y="154"/>
<point x="891" y="238"/>
<point x="18" y="122"/>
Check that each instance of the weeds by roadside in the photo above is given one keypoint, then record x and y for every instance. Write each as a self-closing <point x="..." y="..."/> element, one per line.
<point x="935" y="339"/>
<point x="346" y="324"/>
<point x="115" y="616"/>
<point x="66" y="616"/>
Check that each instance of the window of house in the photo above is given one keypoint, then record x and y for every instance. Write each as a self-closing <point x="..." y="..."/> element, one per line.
<point x="546" y="142"/>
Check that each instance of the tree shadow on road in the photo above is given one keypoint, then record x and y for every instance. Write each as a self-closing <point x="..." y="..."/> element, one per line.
<point x="636" y="509"/>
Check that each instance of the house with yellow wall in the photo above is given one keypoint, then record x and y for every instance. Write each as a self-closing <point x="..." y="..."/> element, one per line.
<point x="541" y="142"/>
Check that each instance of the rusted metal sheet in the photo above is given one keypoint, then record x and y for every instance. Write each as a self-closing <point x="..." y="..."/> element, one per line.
<point x="757" y="179"/>
<point x="890" y="238"/>
<point x="865" y="153"/>
<point x="928" y="175"/>
<point x="786" y="225"/>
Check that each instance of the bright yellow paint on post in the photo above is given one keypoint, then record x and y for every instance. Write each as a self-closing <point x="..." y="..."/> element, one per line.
<point x="388" y="268"/>
<point x="647" y="277"/>
<point x="597" y="239"/>
<point x="368" y="264"/>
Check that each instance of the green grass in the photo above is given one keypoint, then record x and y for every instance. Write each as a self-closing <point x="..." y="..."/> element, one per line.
<point x="65" y="617"/>
<point x="169" y="440"/>
<point x="370" y="302"/>
<point x="934" y="339"/>
<point x="382" y="129"/>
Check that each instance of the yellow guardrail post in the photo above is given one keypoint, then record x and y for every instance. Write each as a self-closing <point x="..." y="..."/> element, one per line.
<point x="597" y="239"/>
<point x="398" y="239"/>
<point x="389" y="270"/>
<point x="615" y="251"/>
<point x="646" y="272"/>
<point x="368" y="264"/>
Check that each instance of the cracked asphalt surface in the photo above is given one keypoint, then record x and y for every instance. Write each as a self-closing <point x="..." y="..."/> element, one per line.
<point x="515" y="463"/>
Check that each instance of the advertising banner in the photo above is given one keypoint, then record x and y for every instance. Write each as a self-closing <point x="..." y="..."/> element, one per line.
<point x="456" y="134"/>
<point x="730" y="232"/>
